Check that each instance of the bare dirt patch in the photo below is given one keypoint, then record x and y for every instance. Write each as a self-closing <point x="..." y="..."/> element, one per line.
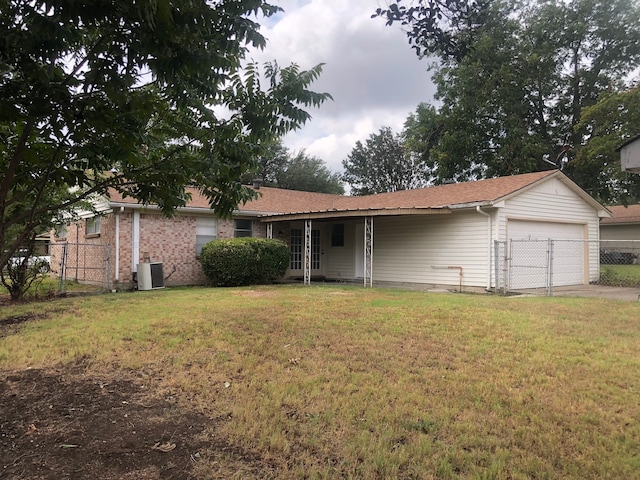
<point x="70" y="424"/>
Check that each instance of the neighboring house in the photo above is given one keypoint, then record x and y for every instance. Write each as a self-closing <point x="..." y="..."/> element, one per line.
<point x="441" y="235"/>
<point x="630" y="155"/>
<point x="620" y="233"/>
<point x="623" y="224"/>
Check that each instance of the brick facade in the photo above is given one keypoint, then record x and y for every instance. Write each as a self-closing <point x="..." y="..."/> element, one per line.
<point x="171" y="241"/>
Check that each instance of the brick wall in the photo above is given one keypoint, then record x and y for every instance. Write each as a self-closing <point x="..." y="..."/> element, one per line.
<point x="171" y="241"/>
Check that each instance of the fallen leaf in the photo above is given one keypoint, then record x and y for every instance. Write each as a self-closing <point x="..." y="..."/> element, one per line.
<point x="164" y="447"/>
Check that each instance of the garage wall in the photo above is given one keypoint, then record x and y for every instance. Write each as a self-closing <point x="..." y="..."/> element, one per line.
<point x="553" y="201"/>
<point x="406" y="249"/>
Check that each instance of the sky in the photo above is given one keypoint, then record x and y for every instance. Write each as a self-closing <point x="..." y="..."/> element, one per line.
<point x="374" y="76"/>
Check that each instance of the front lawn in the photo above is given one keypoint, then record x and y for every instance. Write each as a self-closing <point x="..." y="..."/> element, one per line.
<point x="338" y="382"/>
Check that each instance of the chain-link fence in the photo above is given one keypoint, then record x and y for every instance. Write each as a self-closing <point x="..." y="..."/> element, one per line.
<point x="84" y="263"/>
<point x="541" y="265"/>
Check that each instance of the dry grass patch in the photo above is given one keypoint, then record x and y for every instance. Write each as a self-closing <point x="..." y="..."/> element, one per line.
<point x="343" y="382"/>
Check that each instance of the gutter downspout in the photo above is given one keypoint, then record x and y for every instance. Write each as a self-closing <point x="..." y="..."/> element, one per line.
<point x="489" y="242"/>
<point x="117" y="266"/>
<point x="135" y="242"/>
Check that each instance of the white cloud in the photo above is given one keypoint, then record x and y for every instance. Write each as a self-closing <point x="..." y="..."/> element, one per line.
<point x="370" y="70"/>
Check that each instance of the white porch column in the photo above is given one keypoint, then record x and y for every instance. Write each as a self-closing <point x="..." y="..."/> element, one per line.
<point x="135" y="239"/>
<point x="368" y="251"/>
<point x="307" y="252"/>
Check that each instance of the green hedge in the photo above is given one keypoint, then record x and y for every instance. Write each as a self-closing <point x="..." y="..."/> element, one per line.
<point x="244" y="261"/>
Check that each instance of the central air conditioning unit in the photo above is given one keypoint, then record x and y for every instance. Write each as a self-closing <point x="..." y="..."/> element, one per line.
<point x="150" y="276"/>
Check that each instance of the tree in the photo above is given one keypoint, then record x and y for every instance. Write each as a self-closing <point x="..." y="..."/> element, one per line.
<point x="382" y="164"/>
<point x="310" y="174"/>
<point x="443" y="27"/>
<point x="421" y="134"/>
<point x="272" y="160"/>
<point x="119" y="94"/>
<point x="278" y="168"/>
<point x="511" y="104"/>
<point x="616" y="116"/>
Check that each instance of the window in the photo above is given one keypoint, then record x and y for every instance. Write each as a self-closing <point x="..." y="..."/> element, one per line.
<point x="93" y="226"/>
<point x="337" y="235"/>
<point x="243" y="228"/>
<point x="206" y="231"/>
<point x="296" y="249"/>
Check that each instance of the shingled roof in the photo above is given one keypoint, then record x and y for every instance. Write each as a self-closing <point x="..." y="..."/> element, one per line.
<point x="623" y="215"/>
<point x="438" y="199"/>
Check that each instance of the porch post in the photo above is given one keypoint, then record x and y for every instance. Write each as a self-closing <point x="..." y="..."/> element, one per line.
<point x="270" y="230"/>
<point x="307" y="252"/>
<point x="368" y="251"/>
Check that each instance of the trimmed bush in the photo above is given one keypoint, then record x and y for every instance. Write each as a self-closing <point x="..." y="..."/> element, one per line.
<point x="244" y="261"/>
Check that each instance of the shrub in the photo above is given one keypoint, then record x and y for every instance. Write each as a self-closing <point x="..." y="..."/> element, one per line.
<point x="244" y="261"/>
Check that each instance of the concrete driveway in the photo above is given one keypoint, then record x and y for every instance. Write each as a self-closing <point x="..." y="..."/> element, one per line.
<point x="598" y="291"/>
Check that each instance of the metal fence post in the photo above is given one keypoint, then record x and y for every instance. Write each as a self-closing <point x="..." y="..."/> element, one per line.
<point x="63" y="265"/>
<point x="549" y="267"/>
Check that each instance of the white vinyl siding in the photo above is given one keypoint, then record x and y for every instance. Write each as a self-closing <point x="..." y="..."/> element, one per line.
<point x="339" y="261"/>
<point x="620" y="232"/>
<point x="421" y="249"/>
<point x="553" y="201"/>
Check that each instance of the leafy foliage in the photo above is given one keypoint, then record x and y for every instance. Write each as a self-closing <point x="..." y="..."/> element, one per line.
<point x="444" y="27"/>
<point x="382" y="164"/>
<point x="277" y="167"/>
<point x="616" y="116"/>
<point x="244" y="261"/>
<point x="309" y="174"/>
<point x="513" y="103"/>
<point x="124" y="95"/>
<point x="24" y="271"/>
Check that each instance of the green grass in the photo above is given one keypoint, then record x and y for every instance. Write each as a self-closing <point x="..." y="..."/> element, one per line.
<point x="50" y="286"/>
<point x="620" y="275"/>
<point x="343" y="382"/>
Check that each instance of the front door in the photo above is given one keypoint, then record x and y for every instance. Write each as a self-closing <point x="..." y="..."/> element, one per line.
<point x="297" y="252"/>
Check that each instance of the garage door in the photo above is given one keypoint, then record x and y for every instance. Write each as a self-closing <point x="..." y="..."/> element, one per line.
<point x="530" y="252"/>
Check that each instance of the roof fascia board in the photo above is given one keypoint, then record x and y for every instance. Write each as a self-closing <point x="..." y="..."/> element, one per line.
<point x="460" y="206"/>
<point x="285" y="217"/>
<point x="201" y="210"/>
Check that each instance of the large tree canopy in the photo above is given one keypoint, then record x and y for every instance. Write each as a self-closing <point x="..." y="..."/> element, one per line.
<point x="443" y="27"/>
<point x="278" y="167"/>
<point x="615" y="116"/>
<point x="383" y="164"/>
<point x="513" y="103"/>
<point x="126" y="95"/>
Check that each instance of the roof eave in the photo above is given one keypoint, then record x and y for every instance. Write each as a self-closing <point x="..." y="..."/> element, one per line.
<point x="201" y="210"/>
<point x="353" y="213"/>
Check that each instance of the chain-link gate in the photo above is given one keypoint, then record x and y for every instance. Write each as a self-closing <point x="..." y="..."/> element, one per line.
<point x="84" y="263"/>
<point x="541" y="265"/>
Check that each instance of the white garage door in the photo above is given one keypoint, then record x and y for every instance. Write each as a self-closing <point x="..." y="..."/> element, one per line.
<point x="530" y="252"/>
